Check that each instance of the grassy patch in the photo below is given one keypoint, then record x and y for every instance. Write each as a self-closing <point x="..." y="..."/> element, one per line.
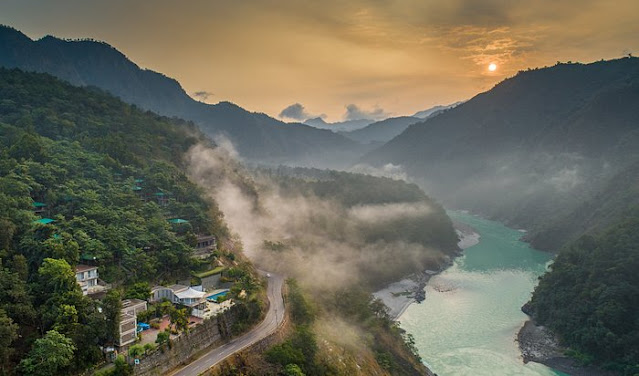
<point x="211" y="272"/>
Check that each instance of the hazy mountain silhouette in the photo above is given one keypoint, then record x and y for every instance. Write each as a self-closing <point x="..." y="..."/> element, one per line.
<point x="340" y="126"/>
<point x="87" y="62"/>
<point x="382" y="131"/>
<point x="426" y="114"/>
<point x="534" y="147"/>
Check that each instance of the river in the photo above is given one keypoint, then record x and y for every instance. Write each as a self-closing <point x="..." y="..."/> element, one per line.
<point x="469" y="321"/>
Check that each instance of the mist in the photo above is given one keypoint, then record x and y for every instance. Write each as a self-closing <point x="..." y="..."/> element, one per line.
<point x="320" y="242"/>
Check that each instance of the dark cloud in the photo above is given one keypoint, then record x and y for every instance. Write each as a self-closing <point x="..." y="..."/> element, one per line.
<point x="295" y="111"/>
<point x="203" y="95"/>
<point x="353" y="112"/>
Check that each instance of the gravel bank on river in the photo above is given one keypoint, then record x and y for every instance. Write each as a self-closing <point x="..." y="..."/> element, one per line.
<point x="538" y="344"/>
<point x="399" y="295"/>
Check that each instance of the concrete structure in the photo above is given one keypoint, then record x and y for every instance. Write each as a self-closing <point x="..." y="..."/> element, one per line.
<point x="129" y="320"/>
<point x="193" y="299"/>
<point x="182" y="295"/>
<point x="88" y="279"/>
<point x="128" y="327"/>
<point x="206" y="245"/>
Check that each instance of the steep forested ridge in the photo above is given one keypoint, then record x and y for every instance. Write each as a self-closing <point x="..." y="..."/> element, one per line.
<point x="534" y="147"/>
<point x="591" y="295"/>
<point x="84" y="158"/>
<point x="92" y="63"/>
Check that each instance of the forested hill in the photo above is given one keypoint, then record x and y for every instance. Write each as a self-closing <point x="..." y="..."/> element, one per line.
<point x="590" y="297"/>
<point x="534" y="147"/>
<point x="257" y="136"/>
<point x="85" y="160"/>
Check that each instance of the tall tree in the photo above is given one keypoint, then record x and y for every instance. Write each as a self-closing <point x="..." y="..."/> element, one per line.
<point x="8" y="333"/>
<point x="50" y="355"/>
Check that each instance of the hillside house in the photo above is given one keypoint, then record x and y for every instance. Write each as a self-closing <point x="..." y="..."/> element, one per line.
<point x="181" y="295"/>
<point x="206" y="245"/>
<point x="88" y="279"/>
<point x="129" y="320"/>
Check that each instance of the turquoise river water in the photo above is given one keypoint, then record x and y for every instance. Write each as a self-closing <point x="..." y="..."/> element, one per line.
<point x="469" y="321"/>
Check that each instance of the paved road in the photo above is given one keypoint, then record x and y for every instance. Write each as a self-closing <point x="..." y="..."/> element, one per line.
<point x="273" y="319"/>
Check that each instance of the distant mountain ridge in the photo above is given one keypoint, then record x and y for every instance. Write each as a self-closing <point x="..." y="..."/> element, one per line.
<point x="340" y="126"/>
<point x="534" y="147"/>
<point x="425" y="114"/>
<point x="90" y="63"/>
<point x="382" y="131"/>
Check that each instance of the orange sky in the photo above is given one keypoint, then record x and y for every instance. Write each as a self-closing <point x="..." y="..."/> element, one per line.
<point x="385" y="56"/>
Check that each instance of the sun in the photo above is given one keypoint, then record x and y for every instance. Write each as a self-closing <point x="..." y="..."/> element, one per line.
<point x="492" y="67"/>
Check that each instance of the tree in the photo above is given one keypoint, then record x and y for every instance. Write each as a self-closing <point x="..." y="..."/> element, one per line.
<point x="50" y="355"/>
<point x="163" y="337"/>
<point x="140" y="290"/>
<point x="122" y="368"/>
<point x="8" y="333"/>
<point x="56" y="277"/>
<point x="57" y="289"/>
<point x="112" y="308"/>
<point x="136" y="350"/>
<point x="179" y="319"/>
<point x="293" y="370"/>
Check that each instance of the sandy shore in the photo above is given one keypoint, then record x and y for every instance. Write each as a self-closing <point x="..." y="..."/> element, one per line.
<point x="399" y="295"/>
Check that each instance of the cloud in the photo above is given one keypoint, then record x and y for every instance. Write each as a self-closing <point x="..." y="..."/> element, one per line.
<point x="388" y="170"/>
<point x="295" y="111"/>
<point x="353" y="112"/>
<point x="326" y="244"/>
<point x="203" y="95"/>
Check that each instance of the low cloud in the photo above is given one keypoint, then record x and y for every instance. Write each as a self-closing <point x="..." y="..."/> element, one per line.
<point x="326" y="244"/>
<point x="203" y="95"/>
<point x="296" y="111"/>
<point x="388" y="170"/>
<point x="354" y="112"/>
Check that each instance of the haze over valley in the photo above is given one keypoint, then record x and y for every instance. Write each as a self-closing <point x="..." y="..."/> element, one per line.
<point x="270" y="189"/>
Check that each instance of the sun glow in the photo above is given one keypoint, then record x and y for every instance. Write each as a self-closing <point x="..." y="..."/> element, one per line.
<point x="492" y="67"/>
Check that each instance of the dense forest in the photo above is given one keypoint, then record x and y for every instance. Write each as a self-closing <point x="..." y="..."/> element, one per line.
<point x="93" y="169"/>
<point x="590" y="297"/>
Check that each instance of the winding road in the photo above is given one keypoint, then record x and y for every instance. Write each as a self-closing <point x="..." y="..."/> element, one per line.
<point x="272" y="321"/>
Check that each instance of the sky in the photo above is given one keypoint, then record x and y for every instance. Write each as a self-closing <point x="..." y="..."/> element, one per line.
<point x="341" y="59"/>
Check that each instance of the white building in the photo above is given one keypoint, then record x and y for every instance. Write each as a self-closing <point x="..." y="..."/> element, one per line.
<point x="129" y="320"/>
<point x="87" y="278"/>
<point x="182" y="295"/>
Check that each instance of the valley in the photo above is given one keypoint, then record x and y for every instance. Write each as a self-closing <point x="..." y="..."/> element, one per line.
<point x="138" y="220"/>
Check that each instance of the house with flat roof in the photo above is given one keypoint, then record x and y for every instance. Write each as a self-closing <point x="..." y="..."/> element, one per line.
<point x="129" y="320"/>
<point x="88" y="279"/>
<point x="205" y="246"/>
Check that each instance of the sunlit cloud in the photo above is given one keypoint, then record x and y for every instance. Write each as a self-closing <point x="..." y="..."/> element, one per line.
<point x="398" y="55"/>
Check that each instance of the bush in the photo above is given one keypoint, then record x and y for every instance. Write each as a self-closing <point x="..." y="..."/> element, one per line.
<point x="284" y="354"/>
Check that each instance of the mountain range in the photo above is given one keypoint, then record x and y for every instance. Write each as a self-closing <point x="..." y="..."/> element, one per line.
<point x="340" y="126"/>
<point x="255" y="135"/>
<point x="536" y="146"/>
<point x="429" y="113"/>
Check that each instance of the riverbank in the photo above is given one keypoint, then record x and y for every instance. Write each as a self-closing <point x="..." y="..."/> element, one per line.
<point x="538" y="344"/>
<point x="398" y="296"/>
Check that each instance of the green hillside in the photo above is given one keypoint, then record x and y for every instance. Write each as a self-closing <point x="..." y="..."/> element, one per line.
<point x="93" y="167"/>
<point x="590" y="297"/>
